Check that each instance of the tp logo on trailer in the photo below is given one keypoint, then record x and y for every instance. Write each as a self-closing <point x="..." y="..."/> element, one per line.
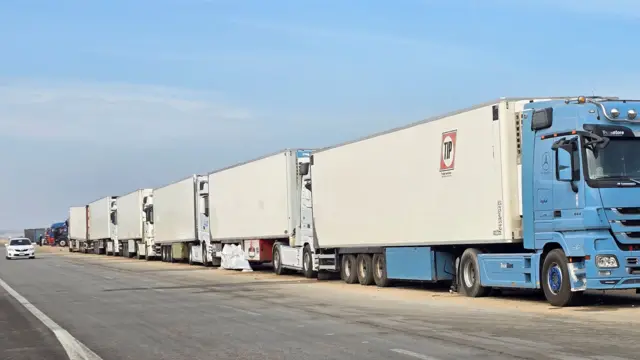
<point x="448" y="151"/>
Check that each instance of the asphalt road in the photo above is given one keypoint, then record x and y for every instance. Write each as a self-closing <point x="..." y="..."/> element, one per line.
<point x="130" y="309"/>
<point x="23" y="336"/>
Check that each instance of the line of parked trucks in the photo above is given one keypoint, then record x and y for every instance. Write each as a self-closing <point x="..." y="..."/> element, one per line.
<point x="530" y="193"/>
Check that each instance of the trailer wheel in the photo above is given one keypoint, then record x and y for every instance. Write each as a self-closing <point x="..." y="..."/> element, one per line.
<point x="307" y="263"/>
<point x="555" y="280"/>
<point x="470" y="274"/>
<point x="380" y="271"/>
<point x="349" y="269"/>
<point x="365" y="269"/>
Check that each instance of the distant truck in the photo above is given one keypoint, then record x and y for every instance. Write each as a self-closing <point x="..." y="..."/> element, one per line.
<point x="260" y="205"/>
<point x="181" y="222"/>
<point x="57" y="235"/>
<point x="515" y="193"/>
<point x="103" y="226"/>
<point x="35" y="235"/>
<point x="135" y="225"/>
<point x="78" y="228"/>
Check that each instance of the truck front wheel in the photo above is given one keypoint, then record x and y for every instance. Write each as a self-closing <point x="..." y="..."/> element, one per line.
<point x="469" y="274"/>
<point x="556" y="282"/>
<point x="205" y="261"/>
<point x="307" y="263"/>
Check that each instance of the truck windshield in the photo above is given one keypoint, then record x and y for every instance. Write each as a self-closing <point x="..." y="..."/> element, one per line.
<point x="618" y="160"/>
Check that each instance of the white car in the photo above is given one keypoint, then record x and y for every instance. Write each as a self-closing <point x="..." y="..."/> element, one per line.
<point x="20" y="248"/>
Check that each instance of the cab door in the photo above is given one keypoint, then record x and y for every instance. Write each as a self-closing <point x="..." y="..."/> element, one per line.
<point x="568" y="185"/>
<point x="543" y="185"/>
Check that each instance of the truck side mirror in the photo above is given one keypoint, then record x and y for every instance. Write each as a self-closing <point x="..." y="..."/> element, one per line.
<point x="564" y="165"/>
<point x="565" y="159"/>
<point x="304" y="169"/>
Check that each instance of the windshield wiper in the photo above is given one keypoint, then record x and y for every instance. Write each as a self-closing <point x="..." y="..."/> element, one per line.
<point x="624" y="180"/>
<point x="593" y="141"/>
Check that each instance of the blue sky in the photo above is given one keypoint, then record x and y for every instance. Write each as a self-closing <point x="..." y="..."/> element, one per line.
<point x="102" y="97"/>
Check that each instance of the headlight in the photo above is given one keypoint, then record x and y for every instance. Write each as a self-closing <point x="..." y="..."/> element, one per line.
<point x="606" y="261"/>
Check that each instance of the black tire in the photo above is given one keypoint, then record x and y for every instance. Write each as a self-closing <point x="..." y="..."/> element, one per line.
<point x="349" y="269"/>
<point x="205" y="263"/>
<point x="277" y="261"/>
<point x="307" y="263"/>
<point x="380" y="271"/>
<point x="365" y="269"/>
<point x="469" y="275"/>
<point x="558" y="292"/>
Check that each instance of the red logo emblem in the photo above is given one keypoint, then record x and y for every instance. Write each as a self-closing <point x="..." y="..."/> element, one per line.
<point x="448" y="151"/>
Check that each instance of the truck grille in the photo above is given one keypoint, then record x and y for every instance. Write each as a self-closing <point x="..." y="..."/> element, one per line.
<point x="625" y="224"/>
<point x="627" y="210"/>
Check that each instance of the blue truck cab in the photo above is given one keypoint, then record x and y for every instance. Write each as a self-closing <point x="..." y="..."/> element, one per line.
<point x="580" y="202"/>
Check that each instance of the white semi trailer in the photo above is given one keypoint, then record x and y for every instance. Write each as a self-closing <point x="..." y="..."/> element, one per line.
<point x="181" y="222"/>
<point x="264" y="215"/>
<point x="103" y="226"/>
<point x="406" y="203"/>
<point x="132" y="223"/>
<point x="78" y="228"/>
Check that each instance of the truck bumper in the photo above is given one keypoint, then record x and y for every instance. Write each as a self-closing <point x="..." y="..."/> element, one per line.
<point x="625" y="276"/>
<point x="614" y="283"/>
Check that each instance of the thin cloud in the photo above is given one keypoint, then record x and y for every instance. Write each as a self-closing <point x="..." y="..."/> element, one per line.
<point x="113" y="112"/>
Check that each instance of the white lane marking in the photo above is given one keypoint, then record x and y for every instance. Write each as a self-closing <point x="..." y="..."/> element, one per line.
<point x="415" y="355"/>
<point x="74" y="348"/>
<point x="240" y="310"/>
